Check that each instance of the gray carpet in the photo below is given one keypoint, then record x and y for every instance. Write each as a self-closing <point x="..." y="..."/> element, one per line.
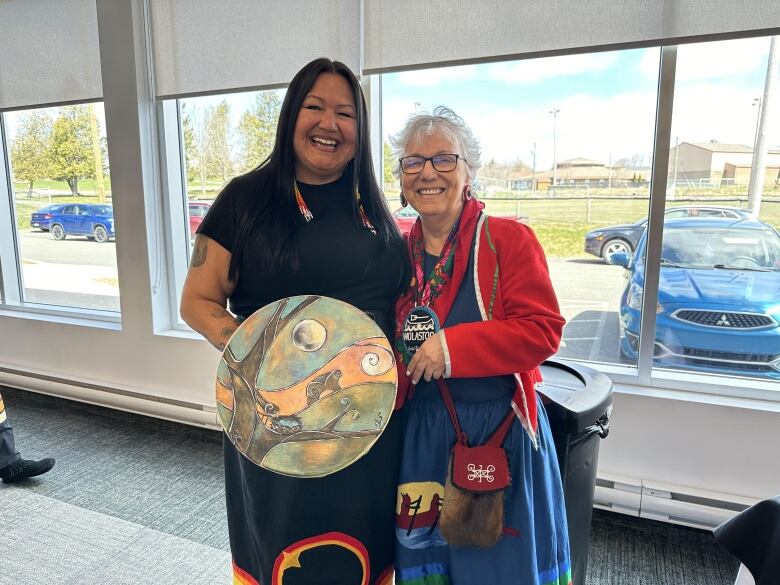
<point x="46" y="541"/>
<point x="154" y="489"/>
<point x="155" y="473"/>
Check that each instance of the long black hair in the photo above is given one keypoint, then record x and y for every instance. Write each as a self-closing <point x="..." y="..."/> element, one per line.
<point x="273" y="213"/>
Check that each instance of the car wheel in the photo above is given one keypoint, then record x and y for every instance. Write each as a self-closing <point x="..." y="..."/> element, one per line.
<point x="57" y="232"/>
<point x="100" y="234"/>
<point x="615" y="246"/>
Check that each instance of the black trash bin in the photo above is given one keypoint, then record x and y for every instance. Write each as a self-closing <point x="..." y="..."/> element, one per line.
<point x="578" y="401"/>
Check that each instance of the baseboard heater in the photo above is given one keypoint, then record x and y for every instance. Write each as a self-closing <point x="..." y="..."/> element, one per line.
<point x="118" y="398"/>
<point x="667" y="503"/>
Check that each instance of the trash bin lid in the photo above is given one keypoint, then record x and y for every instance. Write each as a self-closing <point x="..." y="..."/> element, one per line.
<point x="578" y="395"/>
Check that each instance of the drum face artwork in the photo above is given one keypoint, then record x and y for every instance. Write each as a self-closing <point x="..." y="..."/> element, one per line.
<point x="306" y="385"/>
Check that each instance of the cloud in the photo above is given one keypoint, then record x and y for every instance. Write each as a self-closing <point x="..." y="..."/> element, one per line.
<point x="587" y="126"/>
<point x="703" y="61"/>
<point x="430" y="77"/>
<point x="712" y="111"/>
<point x="533" y="71"/>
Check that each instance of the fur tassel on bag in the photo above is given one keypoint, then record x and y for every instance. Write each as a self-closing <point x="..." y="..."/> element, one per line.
<point x="471" y="519"/>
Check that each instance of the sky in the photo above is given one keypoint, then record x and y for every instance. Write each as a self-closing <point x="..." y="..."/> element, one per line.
<point x="605" y="101"/>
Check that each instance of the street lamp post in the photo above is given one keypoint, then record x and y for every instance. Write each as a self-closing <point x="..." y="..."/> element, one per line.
<point x="554" y="113"/>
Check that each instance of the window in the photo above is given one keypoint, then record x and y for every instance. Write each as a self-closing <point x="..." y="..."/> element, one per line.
<point x="214" y="138"/>
<point x="718" y="310"/>
<point x="566" y="148"/>
<point x="61" y="194"/>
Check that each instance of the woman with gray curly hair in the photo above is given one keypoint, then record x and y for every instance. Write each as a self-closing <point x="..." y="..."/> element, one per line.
<point x="479" y="317"/>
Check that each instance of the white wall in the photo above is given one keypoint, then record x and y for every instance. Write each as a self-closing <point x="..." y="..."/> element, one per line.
<point x="724" y="449"/>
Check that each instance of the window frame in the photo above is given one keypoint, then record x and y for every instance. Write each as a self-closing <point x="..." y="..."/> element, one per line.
<point x="12" y="301"/>
<point x="645" y="378"/>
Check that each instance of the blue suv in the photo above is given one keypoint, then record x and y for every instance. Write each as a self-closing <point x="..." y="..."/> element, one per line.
<point x="93" y="220"/>
<point x="718" y="298"/>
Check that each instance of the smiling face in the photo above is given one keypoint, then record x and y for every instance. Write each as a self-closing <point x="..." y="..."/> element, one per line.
<point x="325" y="131"/>
<point x="436" y="196"/>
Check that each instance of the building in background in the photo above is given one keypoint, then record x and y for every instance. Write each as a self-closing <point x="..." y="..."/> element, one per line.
<point x="581" y="173"/>
<point x="714" y="164"/>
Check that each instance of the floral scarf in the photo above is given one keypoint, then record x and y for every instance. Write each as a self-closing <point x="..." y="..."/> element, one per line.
<point x="440" y="290"/>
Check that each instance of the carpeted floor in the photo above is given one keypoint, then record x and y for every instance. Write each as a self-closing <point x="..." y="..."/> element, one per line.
<point x="141" y="500"/>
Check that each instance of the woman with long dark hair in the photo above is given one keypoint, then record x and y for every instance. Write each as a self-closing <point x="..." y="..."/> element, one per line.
<point x="310" y="220"/>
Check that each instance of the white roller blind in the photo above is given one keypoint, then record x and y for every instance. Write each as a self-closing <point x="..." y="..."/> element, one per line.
<point x="49" y="52"/>
<point x="203" y="46"/>
<point x="405" y="33"/>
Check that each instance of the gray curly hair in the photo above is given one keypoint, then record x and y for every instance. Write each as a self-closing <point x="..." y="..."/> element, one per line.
<point x="442" y="121"/>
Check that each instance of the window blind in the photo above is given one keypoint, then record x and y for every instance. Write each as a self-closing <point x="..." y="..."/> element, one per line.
<point x="49" y="53"/>
<point x="203" y="46"/>
<point x="414" y="33"/>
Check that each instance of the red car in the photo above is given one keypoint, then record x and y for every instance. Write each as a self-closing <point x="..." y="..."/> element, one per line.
<point x="404" y="218"/>
<point x="196" y="211"/>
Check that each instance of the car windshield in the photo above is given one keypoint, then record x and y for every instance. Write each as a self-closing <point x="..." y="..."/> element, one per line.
<point x="102" y="210"/>
<point x="735" y="248"/>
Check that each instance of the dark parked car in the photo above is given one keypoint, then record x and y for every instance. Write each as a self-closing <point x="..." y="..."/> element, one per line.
<point x="197" y="211"/>
<point x="606" y="241"/>
<point x="93" y="220"/>
<point x="42" y="217"/>
<point x="718" y="298"/>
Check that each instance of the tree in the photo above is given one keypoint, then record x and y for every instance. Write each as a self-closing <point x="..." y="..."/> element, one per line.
<point x="189" y="144"/>
<point x="71" y="152"/>
<point x="257" y="129"/>
<point x="217" y="155"/>
<point x="389" y="163"/>
<point x="30" y="159"/>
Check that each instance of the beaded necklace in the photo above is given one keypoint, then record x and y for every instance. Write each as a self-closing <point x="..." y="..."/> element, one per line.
<point x="308" y="215"/>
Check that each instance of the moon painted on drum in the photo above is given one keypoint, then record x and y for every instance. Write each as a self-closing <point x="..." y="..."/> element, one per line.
<point x="309" y="335"/>
<point x="376" y="363"/>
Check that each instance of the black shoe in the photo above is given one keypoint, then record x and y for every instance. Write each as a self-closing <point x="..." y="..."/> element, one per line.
<point x="25" y="468"/>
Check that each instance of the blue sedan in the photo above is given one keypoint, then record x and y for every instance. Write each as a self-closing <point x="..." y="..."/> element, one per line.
<point x="41" y="218"/>
<point x="718" y="298"/>
<point x="95" y="221"/>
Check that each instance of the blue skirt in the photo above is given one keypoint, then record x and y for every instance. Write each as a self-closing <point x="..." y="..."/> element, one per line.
<point x="535" y="547"/>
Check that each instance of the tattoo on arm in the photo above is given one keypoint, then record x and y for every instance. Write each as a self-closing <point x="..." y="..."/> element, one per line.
<point x="199" y="252"/>
<point x="220" y="314"/>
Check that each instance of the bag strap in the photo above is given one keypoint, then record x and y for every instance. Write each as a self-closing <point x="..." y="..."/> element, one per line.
<point x="498" y="436"/>
<point x="447" y="397"/>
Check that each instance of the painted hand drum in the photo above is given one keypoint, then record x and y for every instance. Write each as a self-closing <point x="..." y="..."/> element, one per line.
<point x="306" y="385"/>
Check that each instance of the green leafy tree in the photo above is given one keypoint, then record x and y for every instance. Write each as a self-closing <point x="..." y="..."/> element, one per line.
<point x="257" y="129"/>
<point x="389" y="163"/>
<point x="191" y="152"/>
<point x="72" y="156"/>
<point x="217" y="154"/>
<point x="30" y="159"/>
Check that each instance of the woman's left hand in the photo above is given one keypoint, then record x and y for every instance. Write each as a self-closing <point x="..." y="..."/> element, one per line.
<point x="428" y="361"/>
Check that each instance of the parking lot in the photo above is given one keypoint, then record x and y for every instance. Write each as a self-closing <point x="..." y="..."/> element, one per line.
<point x="76" y="271"/>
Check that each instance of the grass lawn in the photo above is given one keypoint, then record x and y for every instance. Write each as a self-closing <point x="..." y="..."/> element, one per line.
<point x="560" y="223"/>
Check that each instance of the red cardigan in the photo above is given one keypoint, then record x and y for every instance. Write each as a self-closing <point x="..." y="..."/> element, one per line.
<point x="521" y="324"/>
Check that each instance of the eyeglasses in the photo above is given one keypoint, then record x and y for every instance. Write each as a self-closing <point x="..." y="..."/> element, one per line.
<point x="444" y="163"/>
